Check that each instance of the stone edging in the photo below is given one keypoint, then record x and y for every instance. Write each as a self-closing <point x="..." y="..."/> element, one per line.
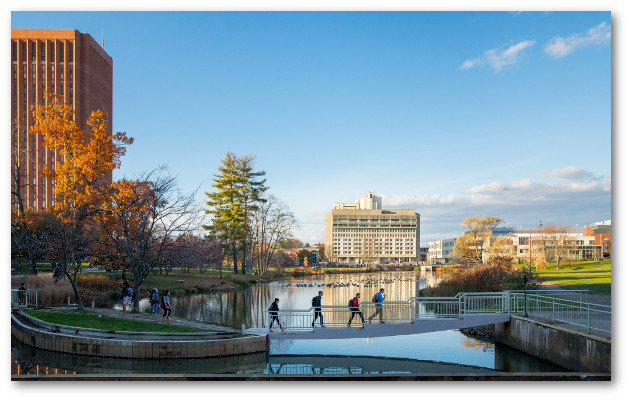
<point x="169" y="346"/>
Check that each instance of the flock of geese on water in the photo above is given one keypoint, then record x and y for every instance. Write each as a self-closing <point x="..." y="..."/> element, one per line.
<point x="366" y="283"/>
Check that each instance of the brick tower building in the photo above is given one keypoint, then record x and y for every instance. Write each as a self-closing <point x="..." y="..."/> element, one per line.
<point x="63" y="62"/>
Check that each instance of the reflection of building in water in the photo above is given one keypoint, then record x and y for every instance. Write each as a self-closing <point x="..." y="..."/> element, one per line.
<point x="399" y="286"/>
<point x="363" y="233"/>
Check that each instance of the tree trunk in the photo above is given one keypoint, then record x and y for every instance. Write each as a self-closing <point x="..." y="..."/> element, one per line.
<point x="234" y="257"/>
<point x="75" y="289"/>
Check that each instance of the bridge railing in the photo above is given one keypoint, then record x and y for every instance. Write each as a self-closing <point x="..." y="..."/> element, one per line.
<point x="557" y="308"/>
<point x="23" y="298"/>
<point x="592" y="317"/>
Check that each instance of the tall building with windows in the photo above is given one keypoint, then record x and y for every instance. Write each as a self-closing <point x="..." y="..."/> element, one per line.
<point x="363" y="233"/>
<point x="63" y="62"/>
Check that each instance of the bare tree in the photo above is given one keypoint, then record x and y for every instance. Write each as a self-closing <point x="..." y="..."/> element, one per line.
<point x="272" y="223"/>
<point x="558" y="242"/>
<point x="146" y="222"/>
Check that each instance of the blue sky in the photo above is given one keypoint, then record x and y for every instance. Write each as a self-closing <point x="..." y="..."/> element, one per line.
<point x="453" y="114"/>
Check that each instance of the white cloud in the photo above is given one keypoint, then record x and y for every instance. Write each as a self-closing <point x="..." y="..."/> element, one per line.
<point x="499" y="58"/>
<point x="559" y="47"/>
<point x="566" y="196"/>
<point x="570" y="173"/>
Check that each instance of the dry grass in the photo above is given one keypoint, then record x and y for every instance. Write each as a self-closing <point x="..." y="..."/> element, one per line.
<point x="50" y="293"/>
<point x="92" y="287"/>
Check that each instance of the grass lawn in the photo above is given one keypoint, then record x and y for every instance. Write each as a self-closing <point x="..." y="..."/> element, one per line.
<point x="86" y="319"/>
<point x="593" y="276"/>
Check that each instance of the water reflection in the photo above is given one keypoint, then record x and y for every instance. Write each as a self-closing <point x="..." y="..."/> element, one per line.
<point x="247" y="306"/>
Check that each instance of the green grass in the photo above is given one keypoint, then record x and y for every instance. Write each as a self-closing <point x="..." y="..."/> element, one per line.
<point x="593" y="276"/>
<point x="86" y="319"/>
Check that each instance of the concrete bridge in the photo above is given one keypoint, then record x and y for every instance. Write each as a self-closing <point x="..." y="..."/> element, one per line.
<point x="431" y="314"/>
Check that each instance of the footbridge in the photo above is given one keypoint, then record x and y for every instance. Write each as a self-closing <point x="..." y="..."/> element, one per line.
<point x="431" y="314"/>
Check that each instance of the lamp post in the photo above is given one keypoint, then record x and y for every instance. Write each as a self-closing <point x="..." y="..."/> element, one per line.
<point x="525" y="291"/>
<point x="530" y="250"/>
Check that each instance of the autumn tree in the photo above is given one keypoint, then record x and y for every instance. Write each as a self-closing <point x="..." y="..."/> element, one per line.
<point x="290" y="243"/>
<point x="471" y="246"/>
<point x="147" y="223"/>
<point x="502" y="251"/>
<point x="86" y="162"/>
<point x="304" y="257"/>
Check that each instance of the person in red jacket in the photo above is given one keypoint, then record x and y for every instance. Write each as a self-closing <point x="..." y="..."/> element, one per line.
<point x="355" y="310"/>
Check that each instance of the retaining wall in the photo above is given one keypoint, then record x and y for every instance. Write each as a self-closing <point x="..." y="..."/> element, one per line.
<point x="167" y="347"/>
<point x="573" y="350"/>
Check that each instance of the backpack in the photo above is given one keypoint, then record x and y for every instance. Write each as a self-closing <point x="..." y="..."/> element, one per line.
<point x="374" y="298"/>
<point x="313" y="301"/>
<point x="155" y="296"/>
<point x="129" y="291"/>
<point x="350" y="303"/>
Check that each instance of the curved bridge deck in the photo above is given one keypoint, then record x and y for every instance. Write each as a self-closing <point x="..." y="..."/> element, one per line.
<point x="431" y="314"/>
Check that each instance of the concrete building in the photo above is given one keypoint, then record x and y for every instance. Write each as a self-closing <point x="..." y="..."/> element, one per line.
<point x="441" y="251"/>
<point x="363" y="233"/>
<point x="63" y="62"/>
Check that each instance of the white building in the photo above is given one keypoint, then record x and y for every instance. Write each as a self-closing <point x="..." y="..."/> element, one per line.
<point x="441" y="251"/>
<point x="363" y="233"/>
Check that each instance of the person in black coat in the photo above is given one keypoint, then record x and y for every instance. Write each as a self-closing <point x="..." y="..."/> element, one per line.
<point x="317" y="303"/>
<point x="274" y="314"/>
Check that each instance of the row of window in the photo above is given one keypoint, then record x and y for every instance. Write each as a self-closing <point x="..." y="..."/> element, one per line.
<point x="52" y="50"/>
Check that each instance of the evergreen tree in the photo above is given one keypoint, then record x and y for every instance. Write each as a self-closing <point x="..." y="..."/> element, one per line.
<point x="237" y="194"/>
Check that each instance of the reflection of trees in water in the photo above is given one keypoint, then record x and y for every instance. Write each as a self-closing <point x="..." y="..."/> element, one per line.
<point x="249" y="306"/>
<point x="476" y="344"/>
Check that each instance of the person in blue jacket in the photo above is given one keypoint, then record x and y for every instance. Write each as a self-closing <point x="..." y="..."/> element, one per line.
<point x="380" y="297"/>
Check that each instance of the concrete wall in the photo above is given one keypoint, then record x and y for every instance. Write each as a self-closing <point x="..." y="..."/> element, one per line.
<point x="573" y="350"/>
<point x="165" y="348"/>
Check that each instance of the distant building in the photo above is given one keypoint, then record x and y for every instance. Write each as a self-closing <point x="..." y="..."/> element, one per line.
<point x="602" y="231"/>
<point x="293" y="253"/>
<point x="441" y="251"/>
<point x="580" y="244"/>
<point x="63" y="62"/>
<point x="363" y="233"/>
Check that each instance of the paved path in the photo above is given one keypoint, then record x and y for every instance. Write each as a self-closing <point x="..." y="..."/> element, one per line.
<point x="146" y="317"/>
<point x="603" y="299"/>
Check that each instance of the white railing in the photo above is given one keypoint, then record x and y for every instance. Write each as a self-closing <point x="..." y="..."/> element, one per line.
<point x="23" y="298"/>
<point x="545" y="303"/>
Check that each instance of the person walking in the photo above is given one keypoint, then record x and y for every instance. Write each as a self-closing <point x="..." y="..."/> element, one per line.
<point x="166" y="306"/>
<point x="379" y="297"/>
<point x="22" y="294"/>
<point x="274" y="314"/>
<point x="127" y="296"/>
<point x="317" y="303"/>
<point x="154" y="300"/>
<point x="354" y="308"/>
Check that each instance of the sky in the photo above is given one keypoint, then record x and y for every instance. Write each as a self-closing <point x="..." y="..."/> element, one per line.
<point x="453" y="114"/>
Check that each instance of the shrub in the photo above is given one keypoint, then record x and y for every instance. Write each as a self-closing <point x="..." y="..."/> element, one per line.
<point x="481" y="278"/>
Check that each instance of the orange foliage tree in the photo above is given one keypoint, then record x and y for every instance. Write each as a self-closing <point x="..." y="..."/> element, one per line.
<point x="81" y="172"/>
<point x="146" y="223"/>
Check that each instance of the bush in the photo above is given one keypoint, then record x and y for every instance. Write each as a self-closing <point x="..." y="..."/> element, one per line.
<point x="481" y="278"/>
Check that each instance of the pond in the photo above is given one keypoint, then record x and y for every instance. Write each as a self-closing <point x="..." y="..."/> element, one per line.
<point x="435" y="352"/>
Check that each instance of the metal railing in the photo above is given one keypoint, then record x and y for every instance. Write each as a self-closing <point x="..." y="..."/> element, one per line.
<point x="545" y="303"/>
<point x="23" y="298"/>
<point x="559" y="309"/>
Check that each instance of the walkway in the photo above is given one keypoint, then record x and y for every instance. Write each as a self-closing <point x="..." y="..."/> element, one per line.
<point x="146" y="317"/>
<point x="376" y="329"/>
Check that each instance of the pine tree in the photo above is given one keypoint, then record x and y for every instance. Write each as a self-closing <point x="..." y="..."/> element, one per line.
<point x="237" y="194"/>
